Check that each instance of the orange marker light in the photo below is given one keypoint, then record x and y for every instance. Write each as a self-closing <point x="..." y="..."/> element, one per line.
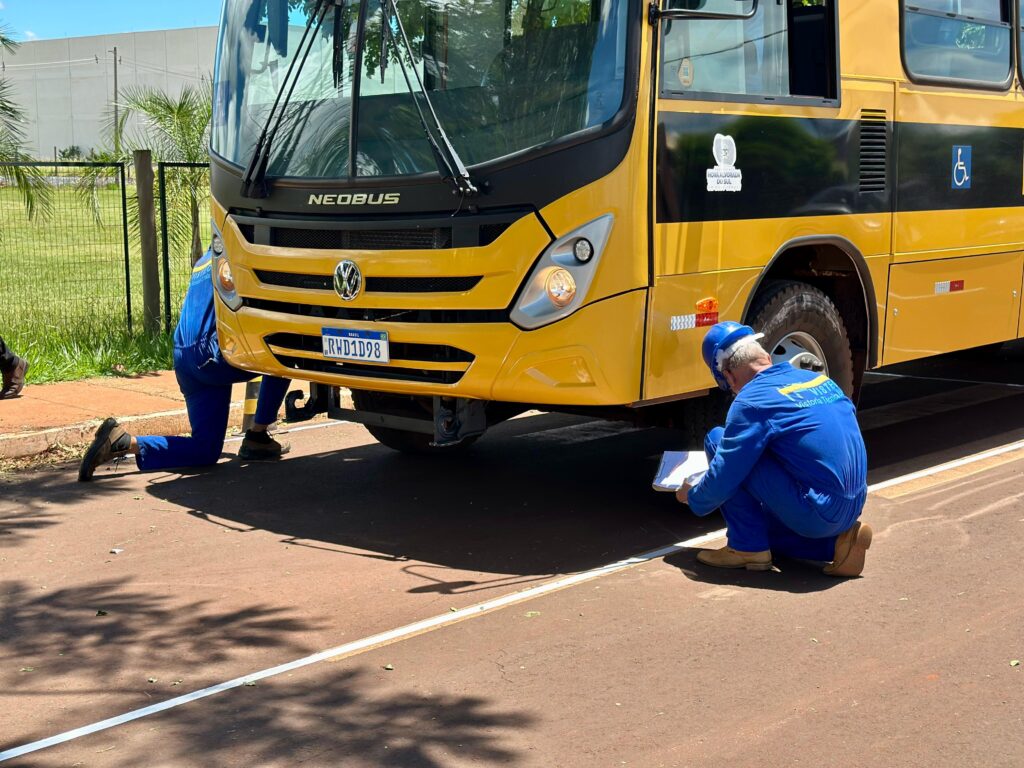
<point x="707" y="312"/>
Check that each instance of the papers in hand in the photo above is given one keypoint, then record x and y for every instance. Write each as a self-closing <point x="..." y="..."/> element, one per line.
<point x="678" y="467"/>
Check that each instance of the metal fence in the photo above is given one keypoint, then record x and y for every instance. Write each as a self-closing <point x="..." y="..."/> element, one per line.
<point x="183" y="208"/>
<point x="74" y="270"/>
<point x="68" y="266"/>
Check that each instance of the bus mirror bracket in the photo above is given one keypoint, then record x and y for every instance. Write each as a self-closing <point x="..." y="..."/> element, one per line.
<point x="655" y="13"/>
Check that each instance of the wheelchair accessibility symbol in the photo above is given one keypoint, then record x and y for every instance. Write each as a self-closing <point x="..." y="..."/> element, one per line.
<point x="961" y="167"/>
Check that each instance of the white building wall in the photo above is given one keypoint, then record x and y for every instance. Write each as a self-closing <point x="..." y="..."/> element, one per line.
<point x="66" y="87"/>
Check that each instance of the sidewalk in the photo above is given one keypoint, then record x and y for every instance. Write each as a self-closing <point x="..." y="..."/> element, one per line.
<point x="47" y="415"/>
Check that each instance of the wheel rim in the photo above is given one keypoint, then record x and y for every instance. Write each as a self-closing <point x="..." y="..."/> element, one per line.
<point x="801" y="350"/>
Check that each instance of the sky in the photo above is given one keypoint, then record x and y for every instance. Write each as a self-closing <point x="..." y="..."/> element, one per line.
<point x="46" y="19"/>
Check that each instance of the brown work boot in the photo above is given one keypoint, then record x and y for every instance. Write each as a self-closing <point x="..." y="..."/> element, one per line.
<point x="111" y="442"/>
<point x="14" y="379"/>
<point x="727" y="557"/>
<point x="851" y="548"/>
<point x="260" y="446"/>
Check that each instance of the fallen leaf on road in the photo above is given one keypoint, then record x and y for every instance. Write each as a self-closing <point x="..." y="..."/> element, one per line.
<point x="389" y="667"/>
<point x="27" y="669"/>
<point x="151" y="679"/>
<point x="250" y="683"/>
<point x="177" y="682"/>
<point x="1015" y="663"/>
<point x="532" y="614"/>
<point x="116" y="551"/>
<point x="101" y="613"/>
<point x="814" y="639"/>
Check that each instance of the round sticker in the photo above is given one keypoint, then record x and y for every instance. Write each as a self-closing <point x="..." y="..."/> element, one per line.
<point x="686" y="73"/>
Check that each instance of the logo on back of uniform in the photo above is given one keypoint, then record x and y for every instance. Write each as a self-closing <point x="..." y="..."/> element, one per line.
<point x="820" y="390"/>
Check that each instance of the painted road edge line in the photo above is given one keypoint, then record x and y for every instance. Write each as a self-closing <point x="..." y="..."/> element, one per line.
<point x="367" y="643"/>
<point x="939" y="468"/>
<point x="446" y="619"/>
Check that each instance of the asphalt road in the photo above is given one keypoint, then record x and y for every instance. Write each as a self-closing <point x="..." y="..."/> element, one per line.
<point x="222" y="574"/>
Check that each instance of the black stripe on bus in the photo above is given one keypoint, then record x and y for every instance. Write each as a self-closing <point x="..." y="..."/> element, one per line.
<point x="796" y="167"/>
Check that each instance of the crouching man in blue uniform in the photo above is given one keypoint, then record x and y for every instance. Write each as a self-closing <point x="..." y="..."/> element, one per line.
<point x="788" y="470"/>
<point x="205" y="379"/>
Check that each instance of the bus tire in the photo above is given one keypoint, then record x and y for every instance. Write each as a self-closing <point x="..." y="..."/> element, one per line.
<point x="402" y="440"/>
<point x="787" y="308"/>
<point x="699" y="415"/>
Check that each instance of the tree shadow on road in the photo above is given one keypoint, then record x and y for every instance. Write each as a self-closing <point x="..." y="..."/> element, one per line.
<point x="794" y="576"/>
<point x="330" y="717"/>
<point x="93" y="633"/>
<point x="544" y="504"/>
<point x="344" y="718"/>
<point x="31" y="501"/>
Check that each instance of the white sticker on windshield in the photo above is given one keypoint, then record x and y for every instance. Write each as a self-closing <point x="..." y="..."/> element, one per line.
<point x="725" y="176"/>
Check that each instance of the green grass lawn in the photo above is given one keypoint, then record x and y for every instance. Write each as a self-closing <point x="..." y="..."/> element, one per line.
<point x="64" y="291"/>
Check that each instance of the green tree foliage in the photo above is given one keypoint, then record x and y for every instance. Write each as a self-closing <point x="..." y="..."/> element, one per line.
<point x="31" y="182"/>
<point x="175" y="129"/>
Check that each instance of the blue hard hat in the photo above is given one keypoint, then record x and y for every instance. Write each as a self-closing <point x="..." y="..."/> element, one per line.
<point x="718" y="340"/>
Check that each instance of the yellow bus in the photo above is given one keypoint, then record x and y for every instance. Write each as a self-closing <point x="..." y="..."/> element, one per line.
<point x="461" y="209"/>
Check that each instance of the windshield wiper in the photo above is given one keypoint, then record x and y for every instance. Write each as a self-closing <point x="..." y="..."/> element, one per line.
<point x="254" y="183"/>
<point x="449" y="164"/>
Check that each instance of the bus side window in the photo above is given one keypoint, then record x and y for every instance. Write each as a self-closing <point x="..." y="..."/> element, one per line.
<point x="786" y="50"/>
<point x="958" y="40"/>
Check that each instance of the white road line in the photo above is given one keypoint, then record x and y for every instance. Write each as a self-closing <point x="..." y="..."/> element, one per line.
<point x="367" y="643"/>
<point x="1009" y="448"/>
<point x="445" y="619"/>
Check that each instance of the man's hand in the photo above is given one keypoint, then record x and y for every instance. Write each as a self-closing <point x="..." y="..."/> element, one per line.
<point x="683" y="493"/>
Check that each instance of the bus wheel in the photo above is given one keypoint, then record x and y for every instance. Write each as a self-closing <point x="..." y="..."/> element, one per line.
<point x="801" y="325"/>
<point x="400" y="439"/>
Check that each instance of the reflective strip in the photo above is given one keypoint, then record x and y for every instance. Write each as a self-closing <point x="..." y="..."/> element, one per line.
<point x="815" y="382"/>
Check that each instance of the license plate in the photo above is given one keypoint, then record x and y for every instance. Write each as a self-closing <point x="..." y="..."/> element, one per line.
<point x="362" y="346"/>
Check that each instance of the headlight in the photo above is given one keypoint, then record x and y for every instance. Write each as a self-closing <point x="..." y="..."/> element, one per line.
<point x="561" y="287"/>
<point x="560" y="279"/>
<point x="223" y="277"/>
<point x="225" y="280"/>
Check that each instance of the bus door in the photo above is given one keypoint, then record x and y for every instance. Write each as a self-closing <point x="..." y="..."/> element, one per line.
<point x="756" y="145"/>
<point x="957" y="268"/>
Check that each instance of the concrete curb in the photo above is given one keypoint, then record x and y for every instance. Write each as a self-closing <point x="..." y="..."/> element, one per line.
<point x="27" y="444"/>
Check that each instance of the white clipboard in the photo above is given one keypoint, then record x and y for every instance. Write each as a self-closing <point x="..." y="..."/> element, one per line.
<point x="678" y="467"/>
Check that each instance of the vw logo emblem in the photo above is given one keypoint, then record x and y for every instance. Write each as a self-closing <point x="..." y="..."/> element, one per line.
<point x="348" y="280"/>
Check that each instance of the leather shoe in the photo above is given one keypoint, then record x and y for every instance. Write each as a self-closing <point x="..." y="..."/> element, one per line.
<point x="727" y="557"/>
<point x="851" y="549"/>
<point x="14" y="379"/>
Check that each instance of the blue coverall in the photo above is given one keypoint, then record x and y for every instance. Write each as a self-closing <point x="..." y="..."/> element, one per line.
<point x="205" y="379"/>
<point x="789" y="470"/>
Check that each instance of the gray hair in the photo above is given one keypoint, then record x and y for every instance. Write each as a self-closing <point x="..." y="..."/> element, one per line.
<point x="744" y="354"/>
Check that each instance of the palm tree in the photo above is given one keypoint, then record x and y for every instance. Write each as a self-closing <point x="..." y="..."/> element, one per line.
<point x="176" y="129"/>
<point x="31" y="182"/>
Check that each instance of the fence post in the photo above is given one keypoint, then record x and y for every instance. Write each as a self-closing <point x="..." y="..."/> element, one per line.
<point x="165" y="241"/>
<point x="147" y="232"/>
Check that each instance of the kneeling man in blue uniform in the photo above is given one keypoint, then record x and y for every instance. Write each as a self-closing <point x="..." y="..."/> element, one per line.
<point x="205" y="379"/>
<point x="788" y="470"/>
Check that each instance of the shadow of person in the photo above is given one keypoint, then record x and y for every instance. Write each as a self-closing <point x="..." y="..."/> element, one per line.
<point x="564" y="499"/>
<point x="796" y="576"/>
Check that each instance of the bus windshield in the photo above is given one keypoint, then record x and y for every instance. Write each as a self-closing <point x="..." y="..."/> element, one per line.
<point x="503" y="76"/>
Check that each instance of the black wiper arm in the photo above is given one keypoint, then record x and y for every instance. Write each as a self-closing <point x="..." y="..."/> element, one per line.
<point x="254" y="182"/>
<point x="450" y="165"/>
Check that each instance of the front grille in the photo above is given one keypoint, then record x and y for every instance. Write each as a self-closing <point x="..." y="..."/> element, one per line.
<point x="433" y="353"/>
<point x="362" y="370"/>
<point x="380" y="315"/>
<point x="414" y="233"/>
<point x="363" y="239"/>
<point x="373" y="284"/>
